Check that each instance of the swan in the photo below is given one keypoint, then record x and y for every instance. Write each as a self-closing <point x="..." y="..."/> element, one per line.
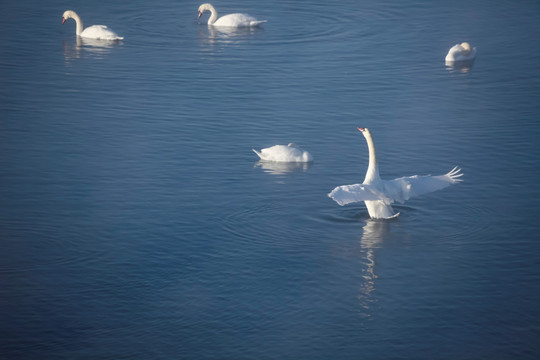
<point x="284" y="153"/>
<point x="231" y="20"/>
<point x="461" y="52"/>
<point x="100" y="32"/>
<point x="378" y="194"/>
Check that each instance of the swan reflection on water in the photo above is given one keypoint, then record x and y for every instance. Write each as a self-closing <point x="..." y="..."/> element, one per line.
<point x="226" y="35"/>
<point x="459" y="66"/>
<point x="374" y="233"/>
<point x="94" y="47"/>
<point x="280" y="168"/>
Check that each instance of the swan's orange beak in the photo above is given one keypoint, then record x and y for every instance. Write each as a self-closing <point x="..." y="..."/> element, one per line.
<point x="63" y="21"/>
<point x="361" y="129"/>
<point x="200" y="13"/>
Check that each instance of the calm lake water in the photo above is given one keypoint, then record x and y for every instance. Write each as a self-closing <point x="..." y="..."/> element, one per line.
<point x="136" y="222"/>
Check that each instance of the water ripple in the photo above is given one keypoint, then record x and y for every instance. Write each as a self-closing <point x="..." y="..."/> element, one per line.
<point x="53" y="248"/>
<point x="269" y="224"/>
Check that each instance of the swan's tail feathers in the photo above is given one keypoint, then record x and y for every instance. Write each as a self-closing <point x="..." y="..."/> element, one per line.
<point x="393" y="216"/>
<point x="258" y="153"/>
<point x="257" y="22"/>
<point x="455" y="175"/>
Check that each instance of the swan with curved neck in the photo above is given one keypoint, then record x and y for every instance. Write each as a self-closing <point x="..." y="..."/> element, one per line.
<point x="378" y="194"/>
<point x="231" y="20"/>
<point x="100" y="32"/>
<point x="461" y="52"/>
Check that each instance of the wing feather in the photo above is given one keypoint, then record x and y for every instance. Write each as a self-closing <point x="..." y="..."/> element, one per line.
<point x="346" y="194"/>
<point x="404" y="188"/>
<point x="399" y="190"/>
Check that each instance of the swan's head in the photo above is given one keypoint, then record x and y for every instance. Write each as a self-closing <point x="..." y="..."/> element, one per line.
<point x="68" y="14"/>
<point x="364" y="131"/>
<point x="203" y="8"/>
<point x="466" y="46"/>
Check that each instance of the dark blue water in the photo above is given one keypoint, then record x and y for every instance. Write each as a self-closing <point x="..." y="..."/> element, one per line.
<point x="136" y="222"/>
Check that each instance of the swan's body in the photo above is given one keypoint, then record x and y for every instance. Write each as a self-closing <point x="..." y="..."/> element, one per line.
<point x="231" y="20"/>
<point x="379" y="194"/>
<point x="284" y="153"/>
<point x="461" y="52"/>
<point x="99" y="32"/>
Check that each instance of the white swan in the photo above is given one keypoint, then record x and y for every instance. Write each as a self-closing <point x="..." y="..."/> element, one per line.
<point x="460" y="52"/>
<point x="378" y="194"/>
<point x="231" y="20"/>
<point x="284" y="153"/>
<point x="100" y="32"/>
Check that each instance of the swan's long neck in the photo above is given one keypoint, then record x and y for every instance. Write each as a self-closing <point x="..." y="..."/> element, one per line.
<point x="79" y="23"/>
<point x="372" y="173"/>
<point x="213" y="16"/>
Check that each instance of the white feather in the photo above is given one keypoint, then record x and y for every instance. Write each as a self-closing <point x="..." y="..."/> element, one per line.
<point x="231" y="20"/>
<point x="284" y="153"/>
<point x="461" y="53"/>
<point x="98" y="32"/>
<point x="379" y="194"/>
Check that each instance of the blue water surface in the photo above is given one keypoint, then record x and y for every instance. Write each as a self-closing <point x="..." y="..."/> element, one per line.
<point x="136" y="222"/>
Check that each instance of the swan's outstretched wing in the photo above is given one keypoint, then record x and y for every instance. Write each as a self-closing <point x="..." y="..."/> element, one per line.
<point x="399" y="190"/>
<point x="346" y="194"/>
<point x="404" y="188"/>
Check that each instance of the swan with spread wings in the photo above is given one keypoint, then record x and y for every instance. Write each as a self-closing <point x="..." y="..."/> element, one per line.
<point x="378" y="194"/>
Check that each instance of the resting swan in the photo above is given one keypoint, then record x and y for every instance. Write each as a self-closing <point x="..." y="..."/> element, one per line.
<point x="100" y="32"/>
<point x="461" y="52"/>
<point x="378" y="194"/>
<point x="231" y="20"/>
<point x="284" y="153"/>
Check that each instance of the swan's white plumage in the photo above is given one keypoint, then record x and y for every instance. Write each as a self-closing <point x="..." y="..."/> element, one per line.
<point x="98" y="32"/>
<point x="379" y="194"/>
<point x="231" y="20"/>
<point x="397" y="190"/>
<point x="461" y="52"/>
<point x="284" y="153"/>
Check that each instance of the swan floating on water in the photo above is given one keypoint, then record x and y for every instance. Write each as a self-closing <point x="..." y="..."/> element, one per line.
<point x="378" y="194"/>
<point x="461" y="52"/>
<point x="99" y="32"/>
<point x="231" y="20"/>
<point x="284" y="153"/>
